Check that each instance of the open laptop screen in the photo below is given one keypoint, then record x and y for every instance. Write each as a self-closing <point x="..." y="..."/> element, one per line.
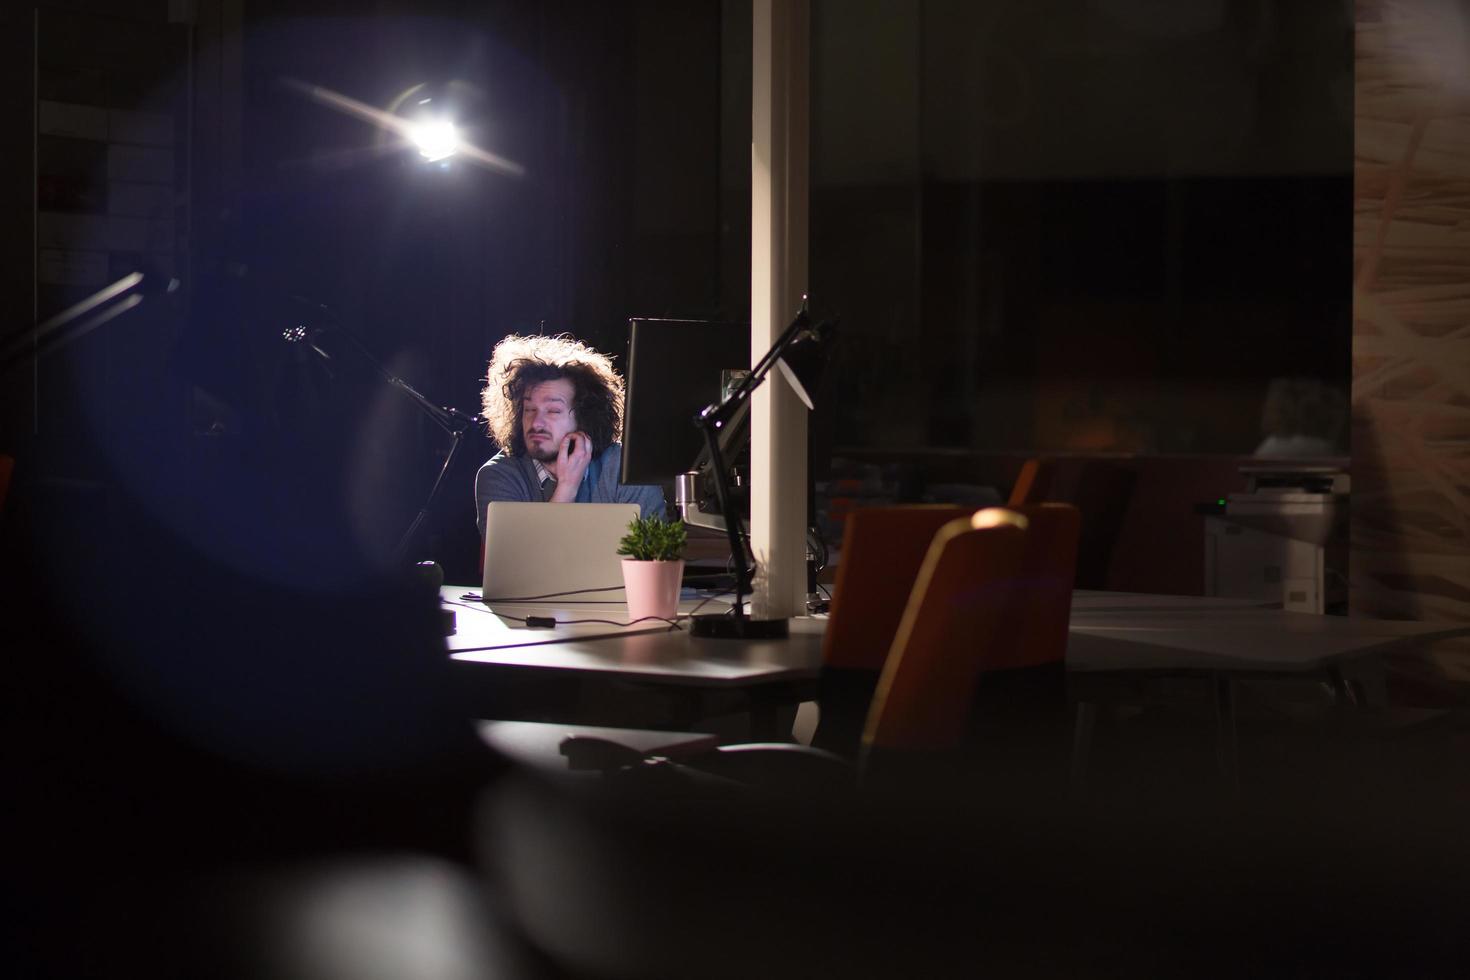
<point x="535" y="549"/>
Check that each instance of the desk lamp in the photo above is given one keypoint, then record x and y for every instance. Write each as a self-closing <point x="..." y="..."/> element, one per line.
<point x="801" y="354"/>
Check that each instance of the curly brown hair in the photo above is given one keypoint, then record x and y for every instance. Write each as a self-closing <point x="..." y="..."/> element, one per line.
<point x="520" y="363"/>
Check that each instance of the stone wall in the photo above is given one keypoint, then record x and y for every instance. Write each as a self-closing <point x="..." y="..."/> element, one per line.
<point x="1411" y="331"/>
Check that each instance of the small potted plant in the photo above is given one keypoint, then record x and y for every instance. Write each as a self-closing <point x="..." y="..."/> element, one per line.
<point x="653" y="566"/>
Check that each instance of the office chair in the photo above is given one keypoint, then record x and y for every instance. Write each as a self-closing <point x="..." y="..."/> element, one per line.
<point x="1103" y="493"/>
<point x="1101" y="490"/>
<point x="956" y="612"/>
<point x="1043" y="598"/>
<point x="973" y="695"/>
<point x="882" y="551"/>
<point x="1021" y="724"/>
<point x="978" y="657"/>
<point x="1032" y="484"/>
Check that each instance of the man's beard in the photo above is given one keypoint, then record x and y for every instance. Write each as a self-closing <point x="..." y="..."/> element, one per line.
<point x="545" y="455"/>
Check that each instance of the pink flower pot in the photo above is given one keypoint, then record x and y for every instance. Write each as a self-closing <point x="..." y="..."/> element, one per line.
<point x="652" y="587"/>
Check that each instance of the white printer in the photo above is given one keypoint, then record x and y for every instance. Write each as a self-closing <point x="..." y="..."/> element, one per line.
<point x="1284" y="539"/>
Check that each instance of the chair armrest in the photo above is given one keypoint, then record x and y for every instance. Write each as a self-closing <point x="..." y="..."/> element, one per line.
<point x="592" y="752"/>
<point x="781" y="767"/>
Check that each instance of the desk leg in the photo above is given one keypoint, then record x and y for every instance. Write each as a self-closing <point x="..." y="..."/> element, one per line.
<point x="1082" y="745"/>
<point x="771" y="721"/>
<point x="1226" y="746"/>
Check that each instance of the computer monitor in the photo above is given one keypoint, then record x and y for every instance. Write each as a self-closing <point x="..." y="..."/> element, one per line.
<point x="676" y="368"/>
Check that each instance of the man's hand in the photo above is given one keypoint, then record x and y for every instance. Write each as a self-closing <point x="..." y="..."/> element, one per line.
<point x="572" y="457"/>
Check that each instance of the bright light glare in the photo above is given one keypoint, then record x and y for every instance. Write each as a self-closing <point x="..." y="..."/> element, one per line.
<point x="436" y="139"/>
<point x="402" y="127"/>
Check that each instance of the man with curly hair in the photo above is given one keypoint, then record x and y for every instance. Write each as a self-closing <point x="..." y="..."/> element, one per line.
<point x="555" y="408"/>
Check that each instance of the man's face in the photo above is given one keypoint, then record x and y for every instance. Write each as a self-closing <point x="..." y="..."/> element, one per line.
<point x="546" y="417"/>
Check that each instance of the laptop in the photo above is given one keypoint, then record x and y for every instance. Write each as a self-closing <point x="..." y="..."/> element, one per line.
<point x="545" y="550"/>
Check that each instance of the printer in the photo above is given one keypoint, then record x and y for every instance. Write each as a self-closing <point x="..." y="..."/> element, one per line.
<point x="1284" y="539"/>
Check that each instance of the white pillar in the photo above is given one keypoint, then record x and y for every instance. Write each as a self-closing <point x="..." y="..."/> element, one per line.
<point x="778" y="278"/>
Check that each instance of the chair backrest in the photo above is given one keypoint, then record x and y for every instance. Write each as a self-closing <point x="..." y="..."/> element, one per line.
<point x="960" y="603"/>
<point x="882" y="551"/>
<point x="1041" y="600"/>
<point x="1103" y="493"/>
<point x="1032" y="483"/>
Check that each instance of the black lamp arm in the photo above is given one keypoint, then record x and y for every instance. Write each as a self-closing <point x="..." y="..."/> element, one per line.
<point x="722" y="412"/>
<point x="763" y="367"/>
<point x="715" y="417"/>
<point x="738" y="554"/>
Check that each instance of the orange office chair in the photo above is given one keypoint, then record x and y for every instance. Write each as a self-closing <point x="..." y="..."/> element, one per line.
<point x="1021" y="723"/>
<point x="957" y="611"/>
<point x="1032" y="484"/>
<point x="978" y="671"/>
<point x="1038" y="620"/>
<point x="882" y="550"/>
<point x="1021" y="653"/>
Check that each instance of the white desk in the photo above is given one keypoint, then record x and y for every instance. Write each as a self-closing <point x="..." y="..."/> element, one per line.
<point x="1125" y="636"/>
<point x="1242" y="639"/>
<point x="690" y="678"/>
<point x="1117" y="644"/>
<point x="647" y="652"/>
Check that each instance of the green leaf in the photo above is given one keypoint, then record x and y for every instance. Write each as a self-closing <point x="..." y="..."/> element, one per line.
<point x="653" y="539"/>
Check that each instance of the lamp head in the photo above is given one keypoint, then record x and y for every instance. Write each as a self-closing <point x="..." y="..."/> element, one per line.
<point x="805" y="360"/>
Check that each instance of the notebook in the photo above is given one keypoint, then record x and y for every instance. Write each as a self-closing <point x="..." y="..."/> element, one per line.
<point x="542" y="549"/>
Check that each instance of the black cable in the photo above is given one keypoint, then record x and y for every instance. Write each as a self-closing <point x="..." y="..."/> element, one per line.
<point x="547" y="622"/>
<point x="814" y="537"/>
<point x="548" y="595"/>
<point x="558" y="595"/>
<point x="707" y="601"/>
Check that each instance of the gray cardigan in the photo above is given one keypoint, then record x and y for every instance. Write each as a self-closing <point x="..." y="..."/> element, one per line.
<point x="505" y="477"/>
